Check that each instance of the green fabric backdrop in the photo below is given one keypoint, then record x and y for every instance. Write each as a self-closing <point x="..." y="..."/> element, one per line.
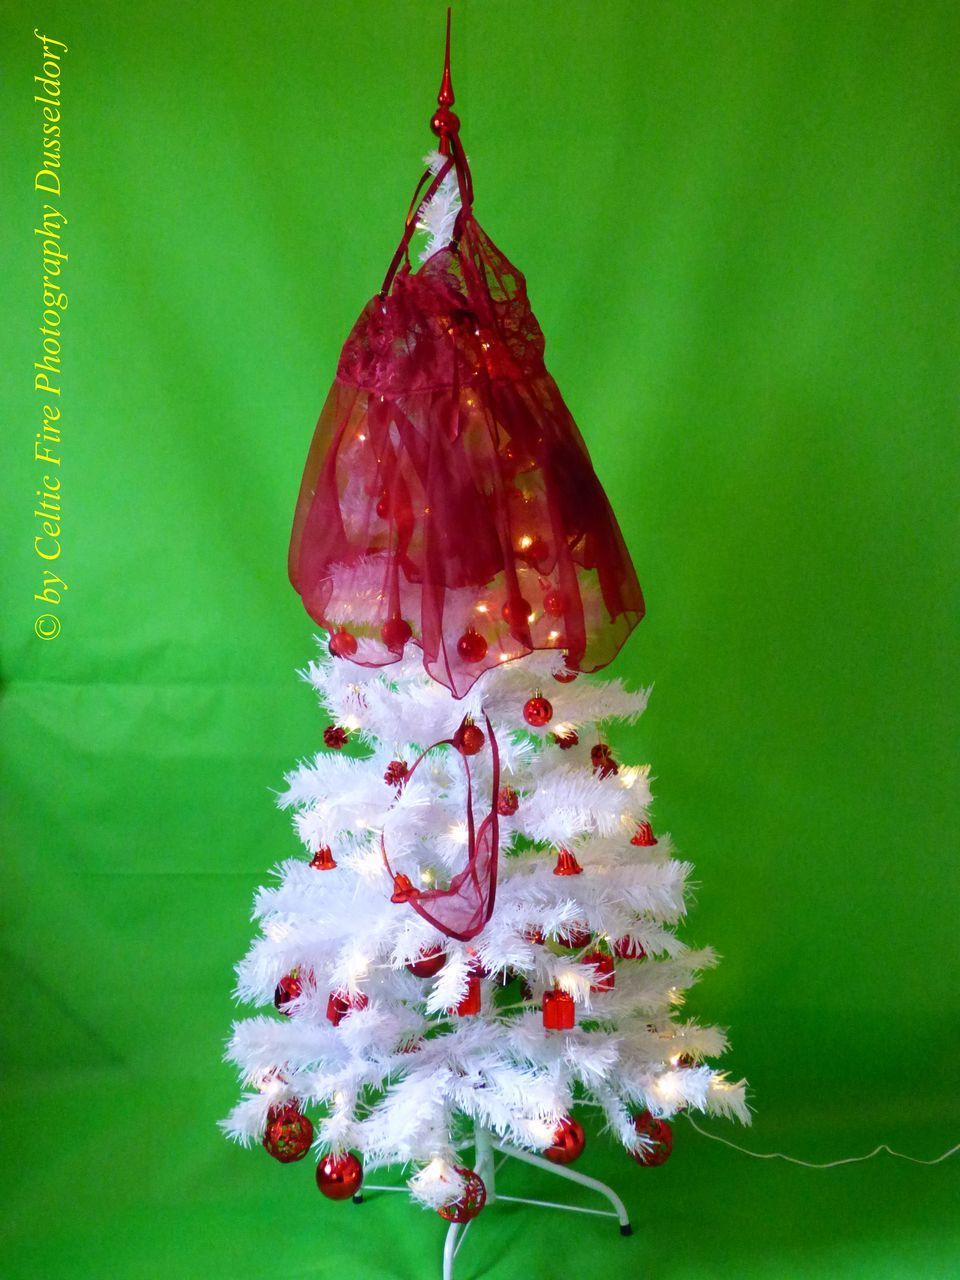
<point x="738" y="223"/>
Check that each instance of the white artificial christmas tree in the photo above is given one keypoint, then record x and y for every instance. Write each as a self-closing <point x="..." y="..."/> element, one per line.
<point x="393" y="1067"/>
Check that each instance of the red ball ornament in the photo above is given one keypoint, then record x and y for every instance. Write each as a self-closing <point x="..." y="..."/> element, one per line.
<point x="516" y="612"/>
<point x="343" y="644"/>
<point x="628" y="948"/>
<point x="469" y="738"/>
<point x="322" y="860"/>
<point x="559" y="1011"/>
<point x="471" y="1200"/>
<point x="569" y="738"/>
<point x="470" y="1004"/>
<point x="508" y="802"/>
<point x="471" y="646"/>
<point x="603" y="964"/>
<point x="396" y="773"/>
<point x="339" y="1177"/>
<point x="659" y="1133"/>
<point x="565" y="675"/>
<point x="535" y="551"/>
<point x="288" y="1134"/>
<point x="568" y="1143"/>
<point x="554" y="603"/>
<point x="431" y="961"/>
<point x="288" y="989"/>
<point x="643" y="837"/>
<point x="335" y="737"/>
<point x="574" y="937"/>
<point x="535" y="935"/>
<point x="383" y="506"/>
<point x="395" y="633"/>
<point x="340" y="1003"/>
<point x="567" y="865"/>
<point x="537" y="711"/>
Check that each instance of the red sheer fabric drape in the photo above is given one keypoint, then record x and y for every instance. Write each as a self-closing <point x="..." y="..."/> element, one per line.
<point x="448" y="499"/>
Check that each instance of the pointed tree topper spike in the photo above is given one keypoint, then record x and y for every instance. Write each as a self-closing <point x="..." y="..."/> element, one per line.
<point x="444" y="122"/>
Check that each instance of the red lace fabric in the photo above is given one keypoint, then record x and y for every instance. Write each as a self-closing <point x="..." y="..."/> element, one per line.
<point x="448" y="499"/>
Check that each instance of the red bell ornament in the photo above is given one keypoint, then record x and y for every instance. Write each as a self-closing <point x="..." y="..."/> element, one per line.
<point x="604" y="966"/>
<point x="643" y="837"/>
<point x="537" y="711"/>
<point x="508" y="802"/>
<point x="568" y="1142"/>
<point x="471" y="646"/>
<point x="288" y="1134"/>
<point x="335" y="737"/>
<point x="322" y="860"/>
<point x="628" y="948"/>
<point x="567" y="865"/>
<point x="559" y="1011"/>
<point x="343" y="644"/>
<point x="661" y="1138"/>
<point x="403" y="888"/>
<point x="339" y="1177"/>
<point x="470" y="1201"/>
<point x="395" y="633"/>
<point x="469" y="738"/>
<point x="430" y="961"/>
<point x="288" y="989"/>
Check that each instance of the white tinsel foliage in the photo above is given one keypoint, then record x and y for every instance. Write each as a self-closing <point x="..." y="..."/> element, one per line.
<point x="403" y="1078"/>
<point x="440" y="213"/>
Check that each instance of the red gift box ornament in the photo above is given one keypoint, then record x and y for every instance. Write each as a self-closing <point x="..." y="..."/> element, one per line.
<point x="559" y="1011"/>
<point x="603" y="964"/>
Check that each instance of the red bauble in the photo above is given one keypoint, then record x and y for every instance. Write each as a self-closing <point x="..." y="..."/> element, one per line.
<point x="395" y="633"/>
<point x="534" y="934"/>
<point x="628" y="949"/>
<point x="537" y="711"/>
<point x="567" y="865"/>
<point x="343" y="644"/>
<point x="603" y="963"/>
<point x="322" y="860"/>
<point x="471" y="1201"/>
<point x="288" y="1134"/>
<point x="403" y="888"/>
<point x="569" y="738"/>
<point x="335" y="737"/>
<point x="383" y="506"/>
<point x="471" y="646"/>
<point x="339" y="1177"/>
<point x="568" y="1143"/>
<point x="536" y="550"/>
<point x="554" y="603"/>
<point x="685" y="1060"/>
<point x="340" y="1003"/>
<point x="516" y="612"/>
<point x="396" y="773"/>
<point x="559" y="1011"/>
<point x="431" y="961"/>
<point x="508" y="802"/>
<point x="661" y="1135"/>
<point x="470" y="1004"/>
<point x="288" y="989"/>
<point x="469" y="738"/>
<point x="565" y="675"/>
<point x="643" y="837"/>
<point x="574" y="937"/>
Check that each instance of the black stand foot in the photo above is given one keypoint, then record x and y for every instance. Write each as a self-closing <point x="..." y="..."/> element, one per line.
<point x="626" y="1229"/>
<point x="358" y="1198"/>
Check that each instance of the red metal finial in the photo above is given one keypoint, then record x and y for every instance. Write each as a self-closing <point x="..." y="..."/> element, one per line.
<point x="444" y="122"/>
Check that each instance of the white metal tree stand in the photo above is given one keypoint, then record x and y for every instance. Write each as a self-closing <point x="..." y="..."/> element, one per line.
<point x="486" y="1165"/>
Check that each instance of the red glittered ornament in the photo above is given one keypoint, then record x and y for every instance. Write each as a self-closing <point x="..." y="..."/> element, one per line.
<point x="471" y="646"/>
<point x="574" y="937"/>
<point x="340" y="1003"/>
<point x="565" y="675"/>
<point x="322" y="860"/>
<point x="537" y="711"/>
<point x="660" y="1135"/>
<point x="508" y="802"/>
<point x="628" y="948"/>
<point x="643" y="837"/>
<point x="567" y="865"/>
<point x="288" y="989"/>
<point x="339" y="1177"/>
<point x="335" y="737"/>
<point x="431" y="960"/>
<point x="471" y="1199"/>
<point x="569" y="738"/>
<point x="568" y="1143"/>
<point x="288" y="1134"/>
<point x="395" y="633"/>
<point x="559" y="1011"/>
<point x="603" y="964"/>
<point x="470" y="1004"/>
<point x="343" y="644"/>
<point x="469" y="738"/>
<point x="396" y="773"/>
<point x="554" y="603"/>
